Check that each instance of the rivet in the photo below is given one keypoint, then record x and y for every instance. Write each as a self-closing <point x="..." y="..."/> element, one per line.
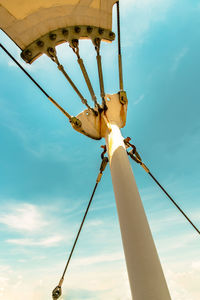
<point x="65" y="31"/>
<point x="52" y="36"/>
<point x="40" y="43"/>
<point x="77" y="29"/>
<point x="27" y="53"/>
<point x="89" y="29"/>
<point x="101" y="30"/>
<point x="112" y="34"/>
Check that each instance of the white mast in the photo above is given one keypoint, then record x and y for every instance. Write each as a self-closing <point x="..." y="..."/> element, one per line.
<point x="144" y="269"/>
<point x="147" y="281"/>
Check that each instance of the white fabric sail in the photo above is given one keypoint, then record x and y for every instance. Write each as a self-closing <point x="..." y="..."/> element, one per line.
<point x="25" y="21"/>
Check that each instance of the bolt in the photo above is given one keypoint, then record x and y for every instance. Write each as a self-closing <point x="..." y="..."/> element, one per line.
<point x="27" y="53"/>
<point x="101" y="30"/>
<point x="65" y="31"/>
<point x="89" y="29"/>
<point x="52" y="36"/>
<point x="77" y="29"/>
<point x="40" y="43"/>
<point x="111" y="35"/>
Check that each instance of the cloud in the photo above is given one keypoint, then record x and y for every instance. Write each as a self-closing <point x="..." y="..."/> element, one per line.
<point x="51" y="241"/>
<point x="12" y="64"/>
<point x="178" y="58"/>
<point x="139" y="99"/>
<point x="24" y="217"/>
<point x="109" y="282"/>
<point x="32" y="140"/>
<point x="93" y="223"/>
<point x="183" y="280"/>
<point x="110" y="257"/>
<point x="138" y="16"/>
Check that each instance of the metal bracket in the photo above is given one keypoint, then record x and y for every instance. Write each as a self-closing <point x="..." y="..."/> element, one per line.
<point x="95" y="126"/>
<point x="62" y="35"/>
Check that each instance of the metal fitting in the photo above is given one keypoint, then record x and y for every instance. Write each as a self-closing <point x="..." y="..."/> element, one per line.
<point x="103" y="164"/>
<point x="28" y="54"/>
<point x="112" y="34"/>
<point x="75" y="122"/>
<point x="57" y="292"/>
<point x="51" y="51"/>
<point x="123" y="97"/>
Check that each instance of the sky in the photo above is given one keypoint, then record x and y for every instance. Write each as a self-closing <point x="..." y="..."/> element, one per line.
<point x="48" y="171"/>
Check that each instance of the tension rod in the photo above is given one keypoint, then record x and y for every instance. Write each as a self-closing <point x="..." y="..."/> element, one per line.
<point x="100" y="71"/>
<point x="52" y="54"/>
<point x="75" y="47"/>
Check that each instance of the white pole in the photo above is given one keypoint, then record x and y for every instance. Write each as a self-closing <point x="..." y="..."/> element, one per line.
<point x="145" y="273"/>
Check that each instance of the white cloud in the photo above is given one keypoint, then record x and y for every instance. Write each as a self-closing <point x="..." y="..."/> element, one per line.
<point x="51" y="241"/>
<point x="26" y="66"/>
<point x="93" y="223"/>
<point x="109" y="282"/>
<point x="111" y="257"/>
<point x="139" y="99"/>
<point x="25" y="217"/>
<point x="196" y="265"/>
<point x="183" y="280"/>
<point x="178" y="58"/>
<point x="138" y="16"/>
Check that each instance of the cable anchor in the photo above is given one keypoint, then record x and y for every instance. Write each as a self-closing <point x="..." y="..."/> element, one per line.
<point x="136" y="157"/>
<point x="76" y="122"/>
<point x="57" y="292"/>
<point x="103" y="163"/>
<point x="134" y="154"/>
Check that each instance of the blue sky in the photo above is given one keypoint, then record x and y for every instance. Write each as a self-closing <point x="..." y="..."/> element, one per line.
<point x="48" y="170"/>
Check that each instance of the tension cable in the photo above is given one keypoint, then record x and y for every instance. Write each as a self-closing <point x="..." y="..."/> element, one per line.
<point x="37" y="84"/>
<point x="57" y="292"/>
<point x="121" y="85"/>
<point x="73" y="120"/>
<point x="136" y="157"/>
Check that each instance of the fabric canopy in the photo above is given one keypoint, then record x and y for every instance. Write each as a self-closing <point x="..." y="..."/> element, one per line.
<point x="25" y="21"/>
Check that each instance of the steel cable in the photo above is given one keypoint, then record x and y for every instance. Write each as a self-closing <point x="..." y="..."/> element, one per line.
<point x="36" y="83"/>
<point x="57" y="292"/>
<point x="136" y="157"/>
